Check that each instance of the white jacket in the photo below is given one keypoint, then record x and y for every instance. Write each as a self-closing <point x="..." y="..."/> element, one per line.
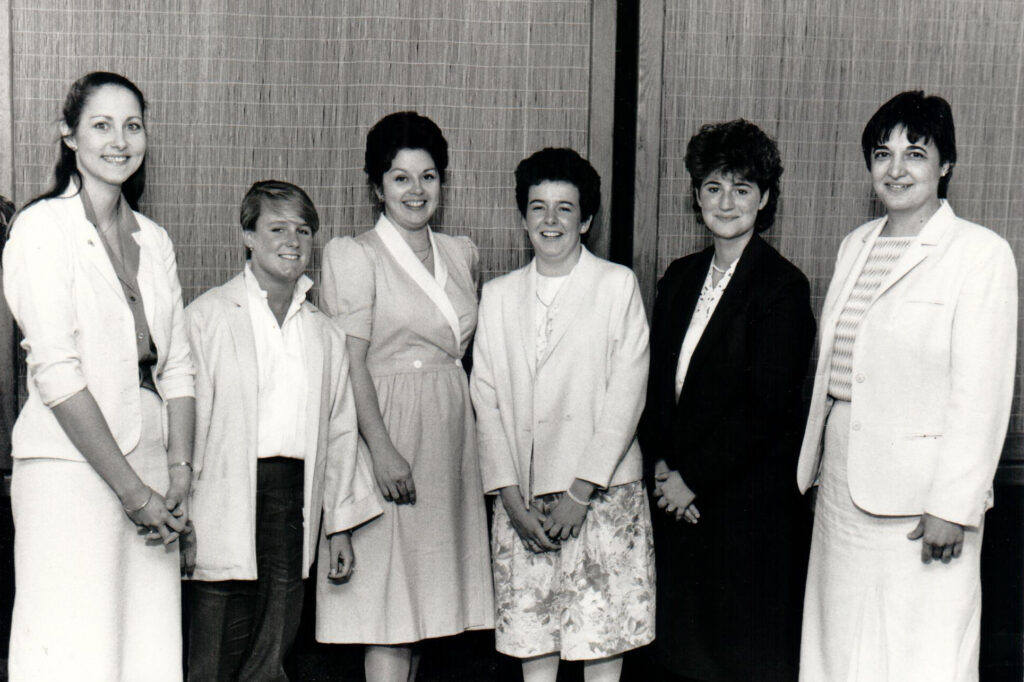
<point x="78" y="328"/>
<point x="933" y="372"/>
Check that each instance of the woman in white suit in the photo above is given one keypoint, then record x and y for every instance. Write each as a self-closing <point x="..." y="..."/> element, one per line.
<point x="910" y="407"/>
<point x="103" y="446"/>
<point x="559" y="379"/>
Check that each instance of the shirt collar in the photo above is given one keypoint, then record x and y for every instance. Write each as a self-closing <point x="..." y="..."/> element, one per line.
<point x="302" y="286"/>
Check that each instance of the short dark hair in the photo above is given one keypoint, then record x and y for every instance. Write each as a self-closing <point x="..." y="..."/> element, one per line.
<point x="925" y="118"/>
<point x="398" y="131"/>
<point x="740" y="149"/>
<point x="280" y="193"/>
<point x="559" y="165"/>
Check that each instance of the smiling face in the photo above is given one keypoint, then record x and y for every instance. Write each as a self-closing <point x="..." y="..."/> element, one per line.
<point x="729" y="205"/>
<point x="905" y="174"/>
<point x="281" y="245"/>
<point x="110" y="138"/>
<point x="411" y="189"/>
<point x="553" y="223"/>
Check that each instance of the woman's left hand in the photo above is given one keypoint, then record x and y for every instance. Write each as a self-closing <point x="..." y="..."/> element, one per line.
<point x="940" y="539"/>
<point x="567" y="516"/>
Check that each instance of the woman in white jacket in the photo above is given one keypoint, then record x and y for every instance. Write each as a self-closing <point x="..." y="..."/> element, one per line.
<point x="103" y="446"/>
<point x="911" y="401"/>
<point x="559" y="379"/>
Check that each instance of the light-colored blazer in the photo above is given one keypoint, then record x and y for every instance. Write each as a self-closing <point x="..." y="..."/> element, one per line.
<point x="223" y="497"/>
<point x="933" y="371"/>
<point x="78" y="329"/>
<point x="577" y="409"/>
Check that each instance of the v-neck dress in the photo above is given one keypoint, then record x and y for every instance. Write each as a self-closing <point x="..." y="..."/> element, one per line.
<point x="422" y="570"/>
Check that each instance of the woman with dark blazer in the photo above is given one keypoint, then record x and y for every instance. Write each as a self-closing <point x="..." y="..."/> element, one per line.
<point x="730" y="342"/>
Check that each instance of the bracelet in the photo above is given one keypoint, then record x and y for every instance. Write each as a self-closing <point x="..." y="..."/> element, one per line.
<point x="182" y="463"/>
<point x="568" y="491"/>
<point x="129" y="512"/>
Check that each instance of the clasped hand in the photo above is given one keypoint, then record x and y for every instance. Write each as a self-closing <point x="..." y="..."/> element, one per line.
<point x="674" y="496"/>
<point x="394" y="477"/>
<point x="940" y="539"/>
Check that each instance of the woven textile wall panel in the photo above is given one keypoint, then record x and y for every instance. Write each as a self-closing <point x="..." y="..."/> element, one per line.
<point x="240" y="92"/>
<point x="811" y="74"/>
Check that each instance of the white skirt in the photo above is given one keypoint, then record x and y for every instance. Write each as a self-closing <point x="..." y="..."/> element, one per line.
<point x="873" y="612"/>
<point x="92" y="600"/>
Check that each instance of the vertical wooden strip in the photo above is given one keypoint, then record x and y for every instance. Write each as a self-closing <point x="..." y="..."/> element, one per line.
<point x="8" y="371"/>
<point x="648" y="145"/>
<point x="601" y="121"/>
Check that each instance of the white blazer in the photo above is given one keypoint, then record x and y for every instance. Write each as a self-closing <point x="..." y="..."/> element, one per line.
<point x="576" y="410"/>
<point x="337" y="484"/>
<point x="78" y="329"/>
<point x="933" y="372"/>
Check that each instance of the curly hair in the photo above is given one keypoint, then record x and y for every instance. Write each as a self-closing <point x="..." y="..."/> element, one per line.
<point x="559" y="165"/>
<point x="925" y="118"/>
<point x="398" y="131"/>
<point x="740" y="149"/>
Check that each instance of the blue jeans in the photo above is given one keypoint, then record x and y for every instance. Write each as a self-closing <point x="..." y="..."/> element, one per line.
<point x="242" y="629"/>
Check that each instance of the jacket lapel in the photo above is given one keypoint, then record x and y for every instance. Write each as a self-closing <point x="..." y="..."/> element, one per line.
<point x="313" y="336"/>
<point x="734" y="295"/>
<point x="574" y="293"/>
<point x="525" y="306"/>
<point x="240" y="325"/>
<point x="920" y="248"/>
<point x="431" y="285"/>
<point x="91" y="242"/>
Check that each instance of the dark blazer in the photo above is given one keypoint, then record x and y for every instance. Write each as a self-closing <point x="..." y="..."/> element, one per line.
<point x="730" y="587"/>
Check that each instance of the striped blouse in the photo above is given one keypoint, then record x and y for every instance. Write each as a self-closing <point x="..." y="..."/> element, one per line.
<point x="884" y="254"/>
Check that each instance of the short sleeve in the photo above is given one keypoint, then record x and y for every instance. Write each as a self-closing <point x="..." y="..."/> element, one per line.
<point x="471" y="254"/>
<point x="347" y="287"/>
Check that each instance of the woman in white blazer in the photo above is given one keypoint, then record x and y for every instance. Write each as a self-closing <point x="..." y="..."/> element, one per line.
<point x="103" y="446"/>
<point x="910" y="407"/>
<point x="559" y="380"/>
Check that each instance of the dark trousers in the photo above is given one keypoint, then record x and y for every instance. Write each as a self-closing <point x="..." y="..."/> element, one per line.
<point x="242" y="629"/>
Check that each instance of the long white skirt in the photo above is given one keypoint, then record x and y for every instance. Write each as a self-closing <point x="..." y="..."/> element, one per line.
<point x="873" y="611"/>
<point x="92" y="600"/>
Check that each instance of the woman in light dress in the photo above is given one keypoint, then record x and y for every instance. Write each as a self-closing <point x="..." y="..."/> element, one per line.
<point x="406" y="298"/>
<point x="909" y="411"/>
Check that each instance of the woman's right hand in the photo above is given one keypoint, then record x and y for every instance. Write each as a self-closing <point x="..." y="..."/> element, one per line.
<point x="394" y="476"/>
<point x="154" y="520"/>
<point x="528" y="523"/>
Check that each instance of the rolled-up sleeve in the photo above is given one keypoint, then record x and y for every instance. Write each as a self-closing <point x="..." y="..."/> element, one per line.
<point x="177" y="380"/>
<point x="38" y="281"/>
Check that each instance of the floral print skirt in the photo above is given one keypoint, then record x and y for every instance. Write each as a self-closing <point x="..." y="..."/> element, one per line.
<point x="591" y="599"/>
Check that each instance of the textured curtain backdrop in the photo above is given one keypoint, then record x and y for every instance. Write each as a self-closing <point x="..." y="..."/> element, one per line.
<point x="240" y="92"/>
<point x="811" y="73"/>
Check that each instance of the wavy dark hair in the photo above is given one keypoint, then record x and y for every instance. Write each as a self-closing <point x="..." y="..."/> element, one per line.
<point x="561" y="164"/>
<point x="740" y="149"/>
<point x="398" y="131"/>
<point x="926" y="118"/>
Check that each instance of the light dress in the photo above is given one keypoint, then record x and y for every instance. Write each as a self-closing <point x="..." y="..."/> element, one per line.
<point x="594" y="597"/>
<point x="422" y="570"/>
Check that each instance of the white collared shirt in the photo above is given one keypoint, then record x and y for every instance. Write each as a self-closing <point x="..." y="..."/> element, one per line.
<point x="710" y="295"/>
<point x="281" y="368"/>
